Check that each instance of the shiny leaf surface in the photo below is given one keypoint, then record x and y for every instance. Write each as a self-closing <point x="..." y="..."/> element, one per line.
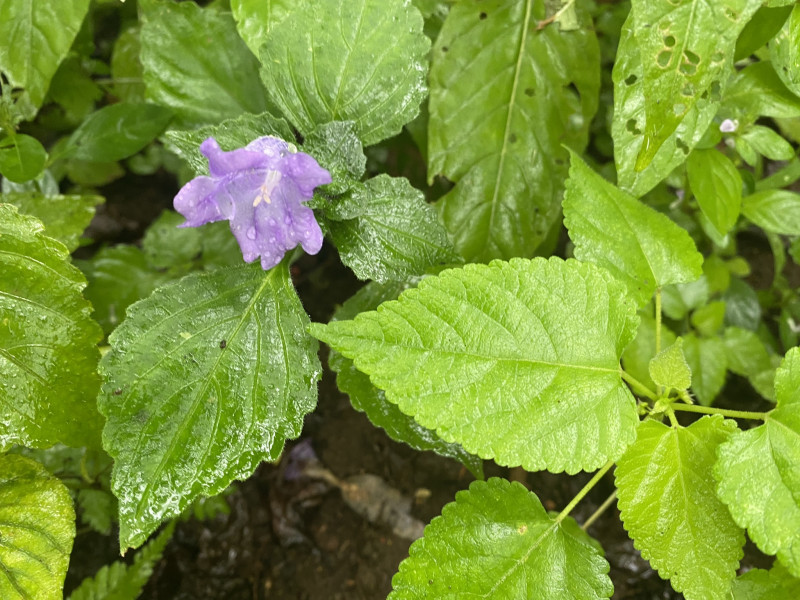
<point x="717" y="186"/>
<point x="784" y="51"/>
<point x="256" y="18"/>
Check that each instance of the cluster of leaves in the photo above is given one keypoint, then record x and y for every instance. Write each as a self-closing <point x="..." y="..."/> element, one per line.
<point x="692" y="108"/>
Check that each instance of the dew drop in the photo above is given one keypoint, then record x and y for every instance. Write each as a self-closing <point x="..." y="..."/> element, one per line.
<point x="251" y="233"/>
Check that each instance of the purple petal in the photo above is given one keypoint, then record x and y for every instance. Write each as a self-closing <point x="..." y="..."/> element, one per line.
<point x="305" y="171"/>
<point x="197" y="202"/>
<point x="269" y="145"/>
<point x="221" y="163"/>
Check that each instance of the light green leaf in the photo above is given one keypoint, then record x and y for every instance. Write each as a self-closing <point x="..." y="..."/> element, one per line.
<point x="195" y="63"/>
<point x="777" y="211"/>
<point x="384" y="230"/>
<point x="500" y="109"/>
<point x="230" y="134"/>
<point x="121" y="581"/>
<point x="670" y="508"/>
<point x="126" y="68"/>
<point x="37" y="526"/>
<point x="256" y="18"/>
<point x="22" y="158"/>
<point x="205" y="379"/>
<point x="637" y="355"/>
<point x="35" y="36"/>
<point x="679" y="299"/>
<point x="747" y="354"/>
<point x="48" y="342"/>
<point x="708" y="361"/>
<point x="348" y="60"/>
<point x="758" y="91"/>
<point x="533" y="342"/>
<point x="669" y="368"/>
<point x="758" y="475"/>
<point x="717" y="185"/>
<point x="768" y="143"/>
<point x="64" y="217"/>
<point x="784" y="50"/>
<point x="336" y="147"/>
<point x="117" y="131"/>
<point x="630" y="121"/>
<point x="639" y="246"/>
<point x="709" y="319"/>
<point x="497" y="541"/>
<point x="686" y="49"/>
<point x="758" y="584"/>
<point x="368" y="399"/>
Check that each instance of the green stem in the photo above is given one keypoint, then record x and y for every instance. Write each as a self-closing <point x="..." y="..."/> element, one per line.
<point x="603" y="508"/>
<point x="709" y="410"/>
<point x="586" y="489"/>
<point x="638" y="386"/>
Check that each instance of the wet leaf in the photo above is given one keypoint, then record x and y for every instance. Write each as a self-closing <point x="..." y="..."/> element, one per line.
<point x="256" y="18"/>
<point x="784" y="51"/>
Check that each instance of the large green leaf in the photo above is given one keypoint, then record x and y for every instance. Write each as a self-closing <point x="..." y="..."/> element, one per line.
<point x="530" y="342"/>
<point x="670" y="509"/>
<point x="205" y="379"/>
<point x="348" y="60"/>
<point x="630" y="120"/>
<point x="686" y="49"/>
<point x="384" y="230"/>
<point x="758" y="474"/>
<point x="256" y="18"/>
<point x="368" y="399"/>
<point x="758" y="584"/>
<point x="126" y="68"/>
<point x="35" y="36"/>
<point x="497" y="541"/>
<point x="64" y="217"/>
<point x="640" y="246"/>
<point x="501" y="107"/>
<point x="717" y="185"/>
<point x="37" y="526"/>
<point x="336" y="147"/>
<point x="784" y="51"/>
<point x="776" y="211"/>
<point x="48" y="342"/>
<point x="758" y="91"/>
<point x="195" y="62"/>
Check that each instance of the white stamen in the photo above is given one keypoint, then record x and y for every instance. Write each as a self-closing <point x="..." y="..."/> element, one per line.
<point x="266" y="189"/>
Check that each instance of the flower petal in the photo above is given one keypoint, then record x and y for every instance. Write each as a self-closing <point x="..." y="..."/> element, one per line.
<point x="221" y="163"/>
<point x="269" y="145"/>
<point x="305" y="171"/>
<point x="197" y="202"/>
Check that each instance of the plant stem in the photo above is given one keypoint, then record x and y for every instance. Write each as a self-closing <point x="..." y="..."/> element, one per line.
<point x="637" y="385"/>
<point x="658" y="320"/>
<point x="545" y="22"/>
<point x="603" y="507"/>
<point x="585" y="490"/>
<point x="708" y="410"/>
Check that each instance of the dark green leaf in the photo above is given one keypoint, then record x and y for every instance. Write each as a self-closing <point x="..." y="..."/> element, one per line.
<point x="784" y="51"/>
<point x="742" y="307"/>
<point x="22" y="158"/>
<point x="760" y="29"/>
<point x="98" y="509"/>
<point x="709" y="362"/>
<point x="166" y="245"/>
<point x="777" y="211"/>
<point x="126" y="68"/>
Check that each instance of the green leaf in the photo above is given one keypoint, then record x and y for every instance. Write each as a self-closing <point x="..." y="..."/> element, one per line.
<point x="670" y="508"/>
<point x="64" y="217"/>
<point x="126" y="68"/>
<point x="73" y="88"/>
<point x="742" y="308"/>
<point x="98" y="509"/>
<point x="679" y="299"/>
<point x="120" y="581"/>
<point x="37" y="526"/>
<point x="205" y="379"/>
<point x="777" y="211"/>
<point x="22" y="158"/>
<point x="708" y="361"/>
<point x="630" y="121"/>
<point x="368" y="399"/>
<point x="500" y="109"/>
<point x="758" y="475"/>
<point x="117" y="131"/>
<point x="48" y="342"/>
<point x="348" y="60"/>
<point x="758" y="91"/>
<point x="709" y="319"/>
<point x="637" y="355"/>
<point x="686" y="50"/>
<point x="717" y="185"/>
<point x="166" y="245"/>
<point x="516" y="339"/>
<point x="195" y="63"/>
<point x="639" y="246"/>
<point x="766" y="22"/>
<point x="33" y="41"/>
<point x="747" y="354"/>
<point x="256" y="18"/>
<point x="784" y="50"/>
<point x="336" y="147"/>
<point x="497" y="541"/>
<point x="669" y="368"/>
<point x="230" y="134"/>
<point x="384" y="230"/>
<point x="769" y="143"/>
<point x="758" y="584"/>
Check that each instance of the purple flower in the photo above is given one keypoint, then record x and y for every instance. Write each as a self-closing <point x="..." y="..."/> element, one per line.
<point x="260" y="189"/>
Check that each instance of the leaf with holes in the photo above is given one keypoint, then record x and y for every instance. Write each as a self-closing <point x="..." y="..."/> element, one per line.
<point x="630" y="118"/>
<point x="37" y="526"/>
<point x="686" y="48"/>
<point x="758" y="475"/>
<point x="670" y="508"/>
<point x="48" y="342"/>
<point x="205" y="379"/>
<point x="348" y="60"/>
<point x="195" y="63"/>
<point x="531" y="342"/>
<point x="641" y="247"/>
<point x="500" y="109"/>
<point x="497" y="541"/>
